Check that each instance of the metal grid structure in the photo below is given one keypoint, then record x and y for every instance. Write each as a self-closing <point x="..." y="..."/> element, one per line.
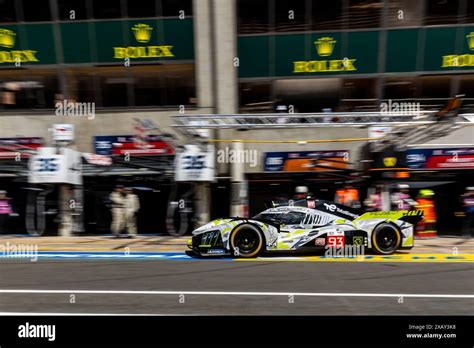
<point x="421" y="126"/>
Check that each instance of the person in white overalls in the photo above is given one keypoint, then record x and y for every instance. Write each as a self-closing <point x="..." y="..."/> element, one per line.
<point x="132" y="205"/>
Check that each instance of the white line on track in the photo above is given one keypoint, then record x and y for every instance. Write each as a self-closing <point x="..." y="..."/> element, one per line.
<point x="33" y="314"/>
<point x="229" y="293"/>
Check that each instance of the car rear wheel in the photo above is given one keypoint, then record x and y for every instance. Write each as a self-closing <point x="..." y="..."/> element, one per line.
<point x="246" y="241"/>
<point x="386" y="239"/>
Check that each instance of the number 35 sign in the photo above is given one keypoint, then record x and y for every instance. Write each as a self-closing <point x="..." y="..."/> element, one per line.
<point x="51" y="167"/>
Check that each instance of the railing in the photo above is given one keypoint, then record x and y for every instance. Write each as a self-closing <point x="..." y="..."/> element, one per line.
<point x="419" y="126"/>
<point x="283" y="120"/>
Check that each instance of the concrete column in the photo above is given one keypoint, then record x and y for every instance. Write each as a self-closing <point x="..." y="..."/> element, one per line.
<point x="386" y="202"/>
<point x="239" y="199"/>
<point x="237" y="169"/>
<point x="203" y="53"/>
<point x="66" y="224"/>
<point x="223" y="16"/>
<point x="78" y="210"/>
<point x="205" y="60"/>
<point x="203" y="194"/>
<point x="239" y="191"/>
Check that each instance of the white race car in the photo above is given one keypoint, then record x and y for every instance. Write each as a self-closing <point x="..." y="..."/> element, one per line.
<point x="307" y="225"/>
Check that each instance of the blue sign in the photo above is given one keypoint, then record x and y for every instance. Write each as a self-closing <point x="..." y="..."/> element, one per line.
<point x="441" y="158"/>
<point x="416" y="158"/>
<point x="103" y="144"/>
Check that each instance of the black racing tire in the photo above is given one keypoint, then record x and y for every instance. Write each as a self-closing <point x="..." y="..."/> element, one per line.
<point x="386" y="239"/>
<point x="246" y="241"/>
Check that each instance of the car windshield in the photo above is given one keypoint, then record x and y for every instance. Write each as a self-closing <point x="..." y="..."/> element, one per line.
<point x="282" y="218"/>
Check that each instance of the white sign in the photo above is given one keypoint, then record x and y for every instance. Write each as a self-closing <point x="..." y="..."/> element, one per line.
<point x="194" y="164"/>
<point x="63" y="132"/>
<point x="100" y="160"/>
<point x="198" y="130"/>
<point x="469" y="117"/>
<point x="48" y="167"/>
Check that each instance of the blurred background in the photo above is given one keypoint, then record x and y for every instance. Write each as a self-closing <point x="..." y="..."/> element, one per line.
<point x="375" y="96"/>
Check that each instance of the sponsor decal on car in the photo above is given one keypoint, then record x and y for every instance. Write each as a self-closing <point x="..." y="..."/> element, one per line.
<point x="336" y="233"/>
<point x="334" y="209"/>
<point x="320" y="241"/>
<point x="216" y="251"/>
<point x="358" y="240"/>
<point x="336" y="241"/>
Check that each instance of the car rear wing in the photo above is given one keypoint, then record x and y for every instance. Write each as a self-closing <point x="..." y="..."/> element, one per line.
<point x="412" y="217"/>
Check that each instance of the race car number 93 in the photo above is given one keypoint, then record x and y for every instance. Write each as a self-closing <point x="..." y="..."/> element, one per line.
<point x="335" y="241"/>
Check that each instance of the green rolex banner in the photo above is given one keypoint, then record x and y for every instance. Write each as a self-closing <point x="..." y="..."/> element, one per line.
<point x="457" y="55"/>
<point x="308" y="54"/>
<point x="27" y="44"/>
<point x="331" y="53"/>
<point x="132" y="40"/>
<point x="97" y="41"/>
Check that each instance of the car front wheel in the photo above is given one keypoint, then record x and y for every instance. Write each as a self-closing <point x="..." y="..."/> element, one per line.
<point x="386" y="239"/>
<point x="246" y="241"/>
